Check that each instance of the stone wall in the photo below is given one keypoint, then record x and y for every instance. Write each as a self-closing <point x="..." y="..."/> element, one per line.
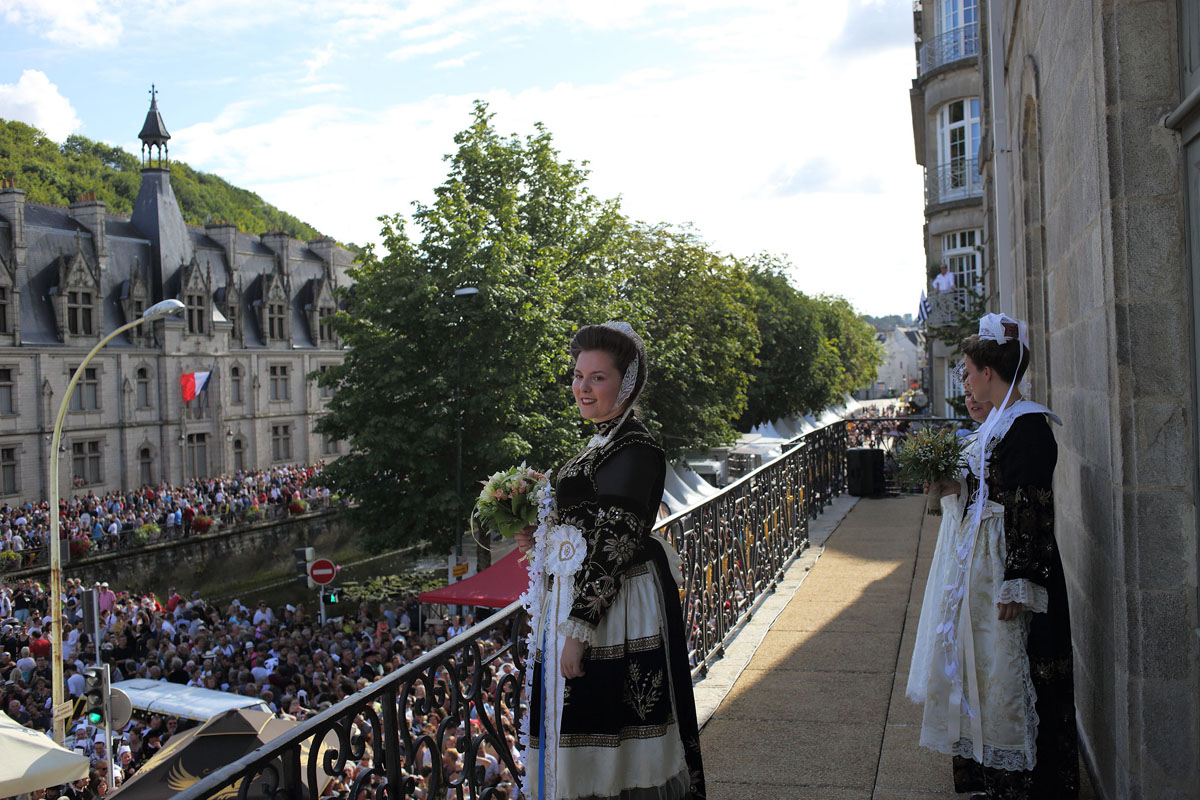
<point x="1100" y="271"/>
<point x="212" y="559"/>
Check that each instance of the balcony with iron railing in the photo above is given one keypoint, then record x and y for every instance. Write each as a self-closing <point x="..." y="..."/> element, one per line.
<point x="947" y="48"/>
<point x="947" y="309"/>
<point x="957" y="179"/>
<point x="735" y="546"/>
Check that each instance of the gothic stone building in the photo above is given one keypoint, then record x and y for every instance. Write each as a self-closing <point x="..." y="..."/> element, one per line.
<point x="1090" y="161"/>
<point x="258" y="312"/>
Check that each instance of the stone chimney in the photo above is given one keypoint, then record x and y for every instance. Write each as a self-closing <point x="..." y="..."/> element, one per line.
<point x="224" y="234"/>
<point x="280" y="243"/>
<point x="90" y="213"/>
<point x="324" y="247"/>
<point x="12" y="211"/>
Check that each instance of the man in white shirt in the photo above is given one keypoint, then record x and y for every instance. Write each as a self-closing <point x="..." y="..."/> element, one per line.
<point x="944" y="282"/>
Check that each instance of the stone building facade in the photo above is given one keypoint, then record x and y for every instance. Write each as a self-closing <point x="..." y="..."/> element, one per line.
<point x="258" y="311"/>
<point x="1091" y="165"/>
<point x="946" y="99"/>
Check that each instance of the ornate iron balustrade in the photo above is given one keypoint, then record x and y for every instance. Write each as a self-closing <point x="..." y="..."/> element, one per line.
<point x="958" y="179"/>
<point x="949" y="47"/>
<point x="735" y="547"/>
<point x="945" y="308"/>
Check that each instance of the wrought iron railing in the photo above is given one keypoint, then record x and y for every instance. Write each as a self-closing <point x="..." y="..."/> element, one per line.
<point x="735" y="547"/>
<point x="951" y="46"/>
<point x="957" y="179"/>
<point x="946" y="308"/>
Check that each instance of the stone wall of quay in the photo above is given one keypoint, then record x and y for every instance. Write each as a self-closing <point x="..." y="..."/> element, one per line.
<point x="222" y="558"/>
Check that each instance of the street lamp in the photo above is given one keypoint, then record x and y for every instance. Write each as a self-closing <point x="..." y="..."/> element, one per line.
<point x="465" y="291"/>
<point x="62" y="709"/>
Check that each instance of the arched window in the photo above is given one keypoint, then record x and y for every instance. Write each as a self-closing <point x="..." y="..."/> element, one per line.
<point x="235" y="385"/>
<point x="145" y="467"/>
<point x="239" y="455"/>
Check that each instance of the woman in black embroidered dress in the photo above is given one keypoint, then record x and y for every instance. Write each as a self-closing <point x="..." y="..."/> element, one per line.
<point x="628" y="728"/>
<point x="1020" y="472"/>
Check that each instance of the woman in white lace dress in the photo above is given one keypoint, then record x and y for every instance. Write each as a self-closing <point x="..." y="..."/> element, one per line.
<point x="992" y="662"/>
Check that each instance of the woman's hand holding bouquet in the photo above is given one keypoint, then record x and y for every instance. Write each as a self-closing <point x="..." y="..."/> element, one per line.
<point x="509" y="501"/>
<point x="931" y="456"/>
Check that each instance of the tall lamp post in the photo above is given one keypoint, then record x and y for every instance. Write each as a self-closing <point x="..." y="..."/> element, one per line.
<point x="62" y="709"/>
<point x="465" y="291"/>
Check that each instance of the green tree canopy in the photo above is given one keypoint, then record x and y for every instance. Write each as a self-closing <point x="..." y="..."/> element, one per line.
<point x="518" y="224"/>
<point x="695" y="311"/>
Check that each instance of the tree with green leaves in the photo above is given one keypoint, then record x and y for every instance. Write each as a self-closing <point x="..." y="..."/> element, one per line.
<point x="516" y="223"/>
<point x="798" y="370"/>
<point x="694" y="309"/>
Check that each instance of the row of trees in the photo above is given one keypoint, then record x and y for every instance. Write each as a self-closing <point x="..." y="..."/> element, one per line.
<point x="58" y="174"/>
<point x="731" y="342"/>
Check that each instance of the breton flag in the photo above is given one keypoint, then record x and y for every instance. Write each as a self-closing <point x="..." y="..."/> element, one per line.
<point x="923" y="309"/>
<point x="193" y="384"/>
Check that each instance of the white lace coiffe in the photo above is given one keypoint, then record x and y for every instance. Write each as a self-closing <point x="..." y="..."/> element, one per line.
<point x="628" y="381"/>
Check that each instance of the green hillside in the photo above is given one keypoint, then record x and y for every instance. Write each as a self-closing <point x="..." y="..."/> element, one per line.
<point x="58" y="174"/>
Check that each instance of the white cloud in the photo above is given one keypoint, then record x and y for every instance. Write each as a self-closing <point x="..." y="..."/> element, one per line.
<point x="773" y="139"/>
<point x="36" y="101"/>
<point x="430" y="47"/>
<point x="455" y="63"/>
<point x="77" y="23"/>
<point x="318" y="62"/>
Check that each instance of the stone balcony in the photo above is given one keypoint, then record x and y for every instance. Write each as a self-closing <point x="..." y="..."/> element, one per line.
<point x="808" y="701"/>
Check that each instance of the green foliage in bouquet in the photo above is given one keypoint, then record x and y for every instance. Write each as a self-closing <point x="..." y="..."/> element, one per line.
<point x="508" y="501"/>
<point x="929" y="454"/>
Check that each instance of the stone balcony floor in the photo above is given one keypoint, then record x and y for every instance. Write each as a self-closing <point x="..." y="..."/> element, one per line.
<point x="808" y="701"/>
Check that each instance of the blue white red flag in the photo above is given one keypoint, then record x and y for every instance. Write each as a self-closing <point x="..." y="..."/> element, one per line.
<point x="193" y="383"/>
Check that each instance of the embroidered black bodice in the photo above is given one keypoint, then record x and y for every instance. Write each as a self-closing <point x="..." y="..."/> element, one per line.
<point x="611" y="494"/>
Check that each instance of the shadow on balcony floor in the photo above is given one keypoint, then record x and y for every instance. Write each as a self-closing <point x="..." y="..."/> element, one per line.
<point x="819" y="709"/>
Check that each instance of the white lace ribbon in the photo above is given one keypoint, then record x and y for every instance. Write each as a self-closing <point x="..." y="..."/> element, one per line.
<point x="558" y="550"/>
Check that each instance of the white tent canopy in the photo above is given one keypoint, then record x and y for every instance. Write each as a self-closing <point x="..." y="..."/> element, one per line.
<point x="32" y="760"/>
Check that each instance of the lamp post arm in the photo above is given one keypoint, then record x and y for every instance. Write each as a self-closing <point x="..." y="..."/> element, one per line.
<point x="60" y="708"/>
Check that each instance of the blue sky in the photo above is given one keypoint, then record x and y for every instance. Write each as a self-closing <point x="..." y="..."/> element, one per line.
<point x="768" y="125"/>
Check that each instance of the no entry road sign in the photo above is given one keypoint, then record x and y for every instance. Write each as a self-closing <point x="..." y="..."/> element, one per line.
<point x="322" y="571"/>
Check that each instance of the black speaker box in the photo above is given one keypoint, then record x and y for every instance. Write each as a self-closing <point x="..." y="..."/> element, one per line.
<point x="864" y="472"/>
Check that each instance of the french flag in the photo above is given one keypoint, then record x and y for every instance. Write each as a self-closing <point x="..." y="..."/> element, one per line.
<point x="194" y="383"/>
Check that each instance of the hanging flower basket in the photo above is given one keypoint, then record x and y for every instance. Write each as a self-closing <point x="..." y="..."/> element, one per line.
<point x="298" y="506"/>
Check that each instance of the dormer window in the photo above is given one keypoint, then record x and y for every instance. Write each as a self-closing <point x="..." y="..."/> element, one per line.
<point x="4" y="315"/>
<point x="79" y="313"/>
<point x="275" y="320"/>
<point x="195" y="312"/>
<point x="325" y="323"/>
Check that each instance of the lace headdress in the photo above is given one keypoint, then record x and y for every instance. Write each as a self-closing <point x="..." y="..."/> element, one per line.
<point x="625" y="395"/>
<point x="1001" y="329"/>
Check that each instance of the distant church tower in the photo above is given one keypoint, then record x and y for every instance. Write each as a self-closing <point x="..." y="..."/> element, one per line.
<point x="156" y="211"/>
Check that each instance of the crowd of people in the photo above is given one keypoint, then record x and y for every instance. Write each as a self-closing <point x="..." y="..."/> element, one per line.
<point x="91" y="522"/>
<point x="282" y="656"/>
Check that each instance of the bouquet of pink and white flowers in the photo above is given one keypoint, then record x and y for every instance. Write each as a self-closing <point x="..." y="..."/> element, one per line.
<point x="509" y="500"/>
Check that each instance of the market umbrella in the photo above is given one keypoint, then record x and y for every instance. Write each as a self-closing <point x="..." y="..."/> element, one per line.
<point x="32" y="760"/>
<point x="189" y="756"/>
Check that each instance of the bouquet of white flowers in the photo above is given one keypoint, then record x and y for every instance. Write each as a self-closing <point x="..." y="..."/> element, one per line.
<point x="509" y="500"/>
<point x="930" y="455"/>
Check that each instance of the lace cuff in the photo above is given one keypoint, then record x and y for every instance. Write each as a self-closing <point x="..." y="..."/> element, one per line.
<point x="579" y="630"/>
<point x="1026" y="592"/>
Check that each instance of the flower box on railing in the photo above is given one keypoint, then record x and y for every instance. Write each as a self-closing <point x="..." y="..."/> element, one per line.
<point x="203" y="524"/>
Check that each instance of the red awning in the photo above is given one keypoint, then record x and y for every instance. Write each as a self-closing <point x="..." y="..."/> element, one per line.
<point x="495" y="587"/>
